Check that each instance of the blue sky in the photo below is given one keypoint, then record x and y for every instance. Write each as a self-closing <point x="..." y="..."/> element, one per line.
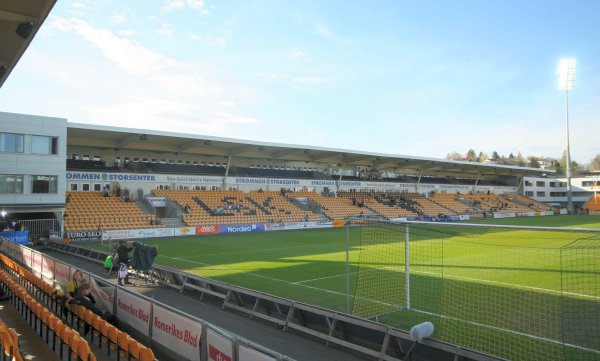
<point x="422" y="78"/>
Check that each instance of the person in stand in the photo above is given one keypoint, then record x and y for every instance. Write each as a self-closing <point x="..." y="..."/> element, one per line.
<point x="72" y="290"/>
<point x="85" y="298"/>
<point x="123" y="253"/>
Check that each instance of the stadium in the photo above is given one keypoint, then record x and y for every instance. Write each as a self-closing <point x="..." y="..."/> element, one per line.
<point x="270" y="251"/>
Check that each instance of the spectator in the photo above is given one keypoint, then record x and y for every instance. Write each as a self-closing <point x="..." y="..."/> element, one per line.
<point x="84" y="298"/>
<point x="123" y="253"/>
<point x="72" y="290"/>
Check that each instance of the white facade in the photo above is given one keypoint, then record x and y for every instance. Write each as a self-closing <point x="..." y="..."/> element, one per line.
<point x="32" y="163"/>
<point x="554" y="190"/>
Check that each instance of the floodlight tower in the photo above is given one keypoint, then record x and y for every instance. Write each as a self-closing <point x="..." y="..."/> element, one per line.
<point x="566" y="79"/>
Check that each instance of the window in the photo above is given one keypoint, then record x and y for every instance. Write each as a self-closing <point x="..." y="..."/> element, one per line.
<point x="552" y="184"/>
<point x="540" y="194"/>
<point x="11" y="143"/>
<point x="96" y="158"/>
<point x="85" y="187"/>
<point x="540" y="184"/>
<point x="44" y="184"/>
<point x="41" y="144"/>
<point x="11" y="184"/>
<point x="73" y="186"/>
<point x="75" y="156"/>
<point x="587" y="184"/>
<point x="97" y="187"/>
<point x="529" y="194"/>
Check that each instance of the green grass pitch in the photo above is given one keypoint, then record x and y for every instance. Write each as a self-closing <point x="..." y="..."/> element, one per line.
<point x="489" y="274"/>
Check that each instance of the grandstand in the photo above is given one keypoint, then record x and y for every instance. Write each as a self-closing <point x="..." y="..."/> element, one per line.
<point x="592" y="206"/>
<point x="111" y="182"/>
<point x="86" y="211"/>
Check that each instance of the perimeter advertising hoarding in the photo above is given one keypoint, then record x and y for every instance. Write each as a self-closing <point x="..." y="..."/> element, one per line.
<point x="207" y="229"/>
<point x="105" y="295"/>
<point x="184" y="231"/>
<point x="36" y="263"/>
<point x="134" y="311"/>
<point x="138" y="233"/>
<point x="48" y="268"/>
<point x="248" y="354"/>
<point x="177" y="333"/>
<point x="21" y="237"/>
<point x="24" y="255"/>
<point x="84" y="236"/>
<point x="505" y="215"/>
<point x="61" y="274"/>
<point x="219" y="348"/>
<point x="241" y="228"/>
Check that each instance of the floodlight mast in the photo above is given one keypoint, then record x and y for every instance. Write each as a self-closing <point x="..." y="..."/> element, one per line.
<point x="566" y="79"/>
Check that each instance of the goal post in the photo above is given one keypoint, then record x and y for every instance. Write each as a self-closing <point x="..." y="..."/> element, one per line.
<point x="513" y="292"/>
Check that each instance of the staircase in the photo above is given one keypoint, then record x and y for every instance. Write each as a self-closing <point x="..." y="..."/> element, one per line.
<point x="173" y="222"/>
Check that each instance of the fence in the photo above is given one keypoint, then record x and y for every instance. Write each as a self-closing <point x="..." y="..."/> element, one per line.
<point x="374" y="340"/>
<point x="37" y="227"/>
<point x="160" y="325"/>
<point x="520" y="293"/>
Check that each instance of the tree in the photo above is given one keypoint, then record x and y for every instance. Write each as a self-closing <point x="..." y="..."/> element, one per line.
<point x="482" y="157"/>
<point x="511" y="156"/>
<point x="471" y="155"/>
<point x="519" y="159"/>
<point x="595" y="163"/>
<point x="454" y="156"/>
<point x="533" y="162"/>
<point x="557" y="166"/>
<point x="575" y="167"/>
<point x="495" y="156"/>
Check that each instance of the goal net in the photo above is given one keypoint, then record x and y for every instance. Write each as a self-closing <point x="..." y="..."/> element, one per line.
<point x="513" y="292"/>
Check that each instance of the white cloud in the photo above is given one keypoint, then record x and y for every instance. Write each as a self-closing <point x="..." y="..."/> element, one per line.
<point x="272" y="76"/>
<point x="79" y="5"/>
<point x="124" y="53"/>
<point x="211" y="40"/>
<point x="165" y="29"/>
<point x="134" y="86"/>
<point x="198" y="5"/>
<point x="310" y="80"/>
<point x="324" y="30"/>
<point x="181" y="4"/>
<point x="295" y="53"/>
<point x="127" y="32"/>
<point x="118" y="18"/>
<point x="173" y="5"/>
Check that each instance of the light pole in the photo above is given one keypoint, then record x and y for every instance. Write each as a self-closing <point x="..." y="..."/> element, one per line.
<point x="566" y="79"/>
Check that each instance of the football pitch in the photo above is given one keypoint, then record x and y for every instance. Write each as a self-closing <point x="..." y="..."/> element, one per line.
<point x="511" y="293"/>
